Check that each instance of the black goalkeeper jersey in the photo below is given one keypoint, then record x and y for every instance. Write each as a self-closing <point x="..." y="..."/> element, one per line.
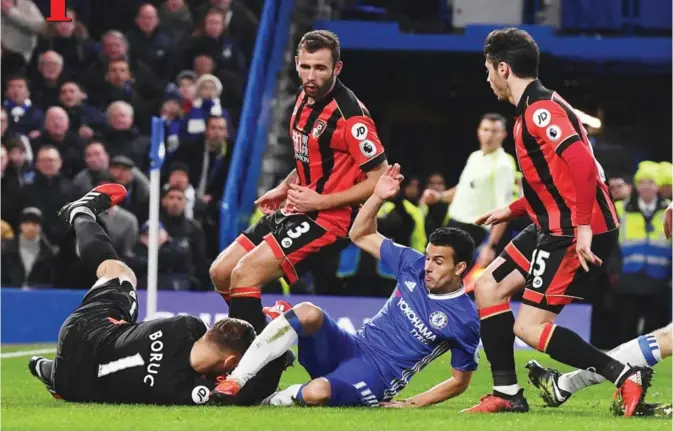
<point x="121" y="362"/>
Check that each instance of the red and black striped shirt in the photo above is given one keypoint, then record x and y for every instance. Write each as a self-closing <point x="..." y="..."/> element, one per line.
<point x="563" y="184"/>
<point x="335" y="143"/>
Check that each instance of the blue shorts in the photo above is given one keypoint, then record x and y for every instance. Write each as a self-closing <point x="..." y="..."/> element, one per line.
<point x="334" y="354"/>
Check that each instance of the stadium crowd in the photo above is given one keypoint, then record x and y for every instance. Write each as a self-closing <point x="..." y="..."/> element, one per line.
<point x="77" y="99"/>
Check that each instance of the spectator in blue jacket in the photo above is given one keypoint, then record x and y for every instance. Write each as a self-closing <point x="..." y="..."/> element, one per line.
<point x="24" y="116"/>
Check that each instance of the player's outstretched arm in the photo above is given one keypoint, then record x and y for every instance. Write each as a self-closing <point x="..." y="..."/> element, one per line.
<point x="363" y="233"/>
<point x="453" y="387"/>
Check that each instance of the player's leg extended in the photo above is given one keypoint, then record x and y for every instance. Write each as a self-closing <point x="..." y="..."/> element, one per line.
<point x="646" y="350"/>
<point x="535" y="327"/>
<point x="279" y="335"/>
<point x="503" y="277"/>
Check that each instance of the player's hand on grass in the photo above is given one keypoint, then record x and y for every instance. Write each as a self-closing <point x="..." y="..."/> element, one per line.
<point x="583" y="247"/>
<point x="273" y="199"/>
<point x="494" y="217"/>
<point x="401" y="404"/>
<point x="668" y="221"/>
<point x="389" y="183"/>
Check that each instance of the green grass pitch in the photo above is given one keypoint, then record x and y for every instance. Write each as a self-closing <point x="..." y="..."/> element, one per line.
<point x="26" y="405"/>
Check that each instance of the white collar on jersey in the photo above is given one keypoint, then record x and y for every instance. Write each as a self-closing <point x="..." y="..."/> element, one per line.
<point x="450" y="295"/>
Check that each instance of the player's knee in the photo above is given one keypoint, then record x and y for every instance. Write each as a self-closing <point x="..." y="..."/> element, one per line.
<point x="309" y="315"/>
<point x="317" y="392"/>
<point x="485" y="286"/>
<point x="110" y="269"/>
<point x="220" y="274"/>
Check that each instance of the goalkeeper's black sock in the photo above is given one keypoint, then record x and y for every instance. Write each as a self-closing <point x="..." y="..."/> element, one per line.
<point x="497" y="336"/>
<point x="567" y="347"/>
<point x="93" y="244"/>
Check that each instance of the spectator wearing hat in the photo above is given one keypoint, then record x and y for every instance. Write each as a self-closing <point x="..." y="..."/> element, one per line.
<point x="85" y="119"/>
<point x="206" y="105"/>
<point x="175" y="261"/>
<point x="24" y="117"/>
<point x="120" y="224"/>
<point x="28" y="259"/>
<point x="137" y="192"/>
<point x="186" y="233"/>
<point x="645" y="256"/>
<point x="97" y="162"/>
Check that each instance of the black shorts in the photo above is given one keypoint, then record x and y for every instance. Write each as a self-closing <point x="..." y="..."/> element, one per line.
<point x="555" y="278"/>
<point x="95" y="322"/>
<point x="297" y="239"/>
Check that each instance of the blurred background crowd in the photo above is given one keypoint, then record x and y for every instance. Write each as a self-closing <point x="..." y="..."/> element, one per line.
<point x="77" y="99"/>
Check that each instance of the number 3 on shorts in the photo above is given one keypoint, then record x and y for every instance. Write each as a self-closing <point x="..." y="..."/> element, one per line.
<point x="299" y="230"/>
<point x="538" y="265"/>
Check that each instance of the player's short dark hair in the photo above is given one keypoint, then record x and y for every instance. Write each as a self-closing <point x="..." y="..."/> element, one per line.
<point x="494" y="116"/>
<point x="320" y="39"/>
<point x="231" y="334"/>
<point x="459" y="240"/>
<point x="516" y="48"/>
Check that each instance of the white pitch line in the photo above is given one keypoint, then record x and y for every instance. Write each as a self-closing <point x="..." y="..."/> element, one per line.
<point x="26" y="353"/>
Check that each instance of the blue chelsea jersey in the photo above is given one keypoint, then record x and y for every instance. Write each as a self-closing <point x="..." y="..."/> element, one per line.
<point x="416" y="327"/>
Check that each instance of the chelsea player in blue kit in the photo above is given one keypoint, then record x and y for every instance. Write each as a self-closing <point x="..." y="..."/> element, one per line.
<point x="427" y="315"/>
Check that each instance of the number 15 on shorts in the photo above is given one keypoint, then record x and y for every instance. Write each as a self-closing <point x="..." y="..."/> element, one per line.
<point x="538" y="265"/>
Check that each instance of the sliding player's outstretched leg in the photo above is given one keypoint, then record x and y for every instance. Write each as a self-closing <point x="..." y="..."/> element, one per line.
<point x="646" y="350"/>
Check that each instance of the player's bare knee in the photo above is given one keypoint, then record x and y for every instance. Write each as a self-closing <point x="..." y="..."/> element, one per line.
<point x="317" y="392"/>
<point x="222" y="267"/>
<point x="485" y="288"/>
<point x="111" y="268"/>
<point x="310" y="316"/>
<point x="220" y="275"/>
